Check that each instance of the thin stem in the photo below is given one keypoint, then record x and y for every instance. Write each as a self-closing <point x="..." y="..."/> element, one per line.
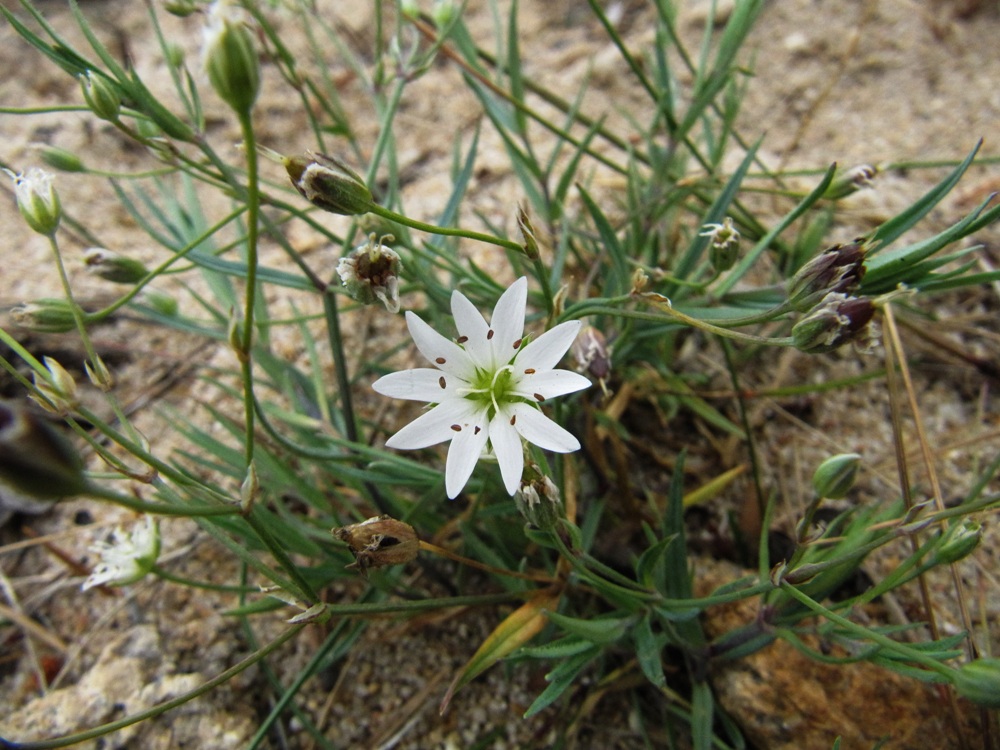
<point x="385" y="213"/>
<point x="442" y="552"/>
<point x="246" y="339"/>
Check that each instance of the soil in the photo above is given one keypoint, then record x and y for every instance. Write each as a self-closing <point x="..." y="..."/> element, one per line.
<point x="882" y="82"/>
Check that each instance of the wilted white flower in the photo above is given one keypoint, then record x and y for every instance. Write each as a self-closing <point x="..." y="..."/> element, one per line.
<point x="128" y="557"/>
<point x="486" y="389"/>
<point x="37" y="199"/>
<point x="371" y="272"/>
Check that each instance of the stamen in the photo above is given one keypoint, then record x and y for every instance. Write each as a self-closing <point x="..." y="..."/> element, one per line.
<point x="539" y="397"/>
<point x="440" y="360"/>
<point x="530" y="371"/>
<point x="517" y="344"/>
<point x="489" y="334"/>
<point x="462" y="339"/>
<point x="512" y="420"/>
<point x="456" y="427"/>
<point x="442" y="383"/>
<point x="478" y="430"/>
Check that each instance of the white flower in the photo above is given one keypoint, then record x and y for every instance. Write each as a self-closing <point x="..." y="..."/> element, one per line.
<point x="37" y="199"/>
<point x="486" y="388"/>
<point x="127" y="558"/>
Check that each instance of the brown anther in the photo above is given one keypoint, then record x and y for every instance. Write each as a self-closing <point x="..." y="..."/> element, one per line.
<point x="489" y="334"/>
<point x="456" y="427"/>
<point x="539" y="397"/>
<point x="442" y="383"/>
<point x="530" y="371"/>
<point x="462" y="339"/>
<point x="440" y="360"/>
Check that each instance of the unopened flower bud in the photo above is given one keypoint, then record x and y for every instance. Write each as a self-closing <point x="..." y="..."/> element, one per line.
<point x="640" y="280"/>
<point x="159" y="301"/>
<point x="834" y="477"/>
<point x="724" y="245"/>
<point x="57" y="392"/>
<point x="979" y="682"/>
<point x="443" y="12"/>
<point x="837" y="269"/>
<point x="250" y="489"/>
<point x="590" y="349"/>
<point x="835" y="321"/>
<point x="60" y="158"/>
<point x="230" y="59"/>
<point x="961" y="539"/>
<point x="112" y="266"/>
<point x="37" y="200"/>
<point x="371" y="273"/>
<point x="127" y="557"/>
<point x="99" y="374"/>
<point x="330" y="184"/>
<point x="180" y="8"/>
<point x="101" y="95"/>
<point x="44" y="316"/>
<point x="379" y="542"/>
<point x="538" y="499"/>
<point x="851" y="181"/>
<point x="528" y="232"/>
<point x="34" y="458"/>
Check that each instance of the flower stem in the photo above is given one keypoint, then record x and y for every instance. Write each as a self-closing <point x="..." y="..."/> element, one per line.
<point x="246" y="340"/>
<point x="385" y="213"/>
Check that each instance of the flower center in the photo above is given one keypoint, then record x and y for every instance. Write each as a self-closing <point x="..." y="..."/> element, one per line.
<point x="492" y="388"/>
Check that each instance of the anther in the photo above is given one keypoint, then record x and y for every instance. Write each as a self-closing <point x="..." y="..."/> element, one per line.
<point x="462" y="339"/>
<point x="539" y="397"/>
<point x="489" y="334"/>
<point x="530" y="371"/>
<point x="441" y="382"/>
<point x="440" y="360"/>
<point x="456" y="427"/>
<point x="517" y="344"/>
<point x="513" y="419"/>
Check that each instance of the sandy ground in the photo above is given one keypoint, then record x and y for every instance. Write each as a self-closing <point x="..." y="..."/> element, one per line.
<point x="886" y="82"/>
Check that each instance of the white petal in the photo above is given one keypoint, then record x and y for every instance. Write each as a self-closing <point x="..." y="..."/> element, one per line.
<point x="548" y="383"/>
<point x="463" y="453"/>
<point x="445" y="354"/>
<point x="472" y="330"/>
<point x="433" y="427"/>
<point x="536" y="428"/>
<point x="507" y="322"/>
<point x="545" y="352"/>
<point x="507" y="447"/>
<point x="421" y="384"/>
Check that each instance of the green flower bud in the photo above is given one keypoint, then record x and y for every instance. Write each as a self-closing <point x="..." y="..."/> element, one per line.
<point x="230" y="59"/>
<point x="725" y="244"/>
<point x="371" y="273"/>
<point x="961" y="539"/>
<point x="835" y="476"/>
<point x="851" y="181"/>
<point x="161" y="302"/>
<point x="328" y="183"/>
<point x="101" y="95"/>
<point x="538" y="499"/>
<point x="979" y="682"/>
<point x="45" y="316"/>
<point x="60" y="158"/>
<point x="114" y="267"/>
<point x="837" y="269"/>
<point x="99" y="374"/>
<point x="835" y="321"/>
<point x="443" y="12"/>
<point x="528" y="232"/>
<point x="34" y="458"/>
<point x="180" y="8"/>
<point x="250" y="489"/>
<point x="37" y="200"/>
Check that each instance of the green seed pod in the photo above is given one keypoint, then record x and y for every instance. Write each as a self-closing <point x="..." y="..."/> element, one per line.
<point x="101" y="96"/>
<point x="330" y="184"/>
<point x="112" y="266"/>
<point x="961" y="540"/>
<point x="60" y="158"/>
<point x="44" y="316"/>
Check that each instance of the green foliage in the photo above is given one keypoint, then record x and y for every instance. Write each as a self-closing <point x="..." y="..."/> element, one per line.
<point x="279" y="450"/>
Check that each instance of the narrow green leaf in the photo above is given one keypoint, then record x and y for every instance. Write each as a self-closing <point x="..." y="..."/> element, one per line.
<point x="602" y="630"/>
